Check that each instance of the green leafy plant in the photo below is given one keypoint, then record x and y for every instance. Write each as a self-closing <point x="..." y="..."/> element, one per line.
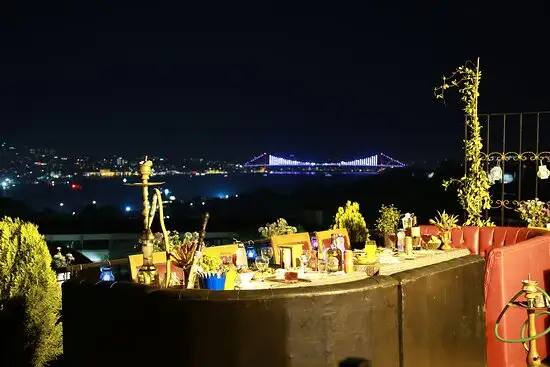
<point x="388" y="222"/>
<point x="181" y="247"/>
<point x="473" y="187"/>
<point x="445" y="222"/>
<point x="210" y="264"/>
<point x="535" y="212"/>
<point x="29" y="296"/>
<point x="352" y="220"/>
<point x="280" y="227"/>
<point x="176" y="241"/>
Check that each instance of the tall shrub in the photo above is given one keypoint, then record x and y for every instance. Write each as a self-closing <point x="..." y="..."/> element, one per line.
<point x="30" y="297"/>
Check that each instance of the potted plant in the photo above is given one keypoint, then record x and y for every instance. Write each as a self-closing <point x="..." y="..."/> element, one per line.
<point x="181" y="252"/>
<point x="445" y="224"/>
<point x="278" y="228"/>
<point x="211" y="273"/>
<point x="59" y="263"/>
<point x="387" y="224"/>
<point x="535" y="212"/>
<point x="350" y="218"/>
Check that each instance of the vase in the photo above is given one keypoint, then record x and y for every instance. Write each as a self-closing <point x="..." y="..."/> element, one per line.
<point x="389" y="240"/>
<point x="446" y="241"/>
<point x="212" y="281"/>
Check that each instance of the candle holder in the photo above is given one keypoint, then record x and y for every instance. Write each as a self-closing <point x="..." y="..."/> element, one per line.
<point x="148" y="274"/>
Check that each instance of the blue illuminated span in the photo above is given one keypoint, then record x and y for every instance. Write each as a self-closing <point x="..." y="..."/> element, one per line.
<point x="377" y="160"/>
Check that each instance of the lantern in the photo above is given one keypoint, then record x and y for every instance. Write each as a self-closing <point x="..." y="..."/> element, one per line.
<point x="106" y="274"/>
<point x="251" y="252"/>
<point x="543" y="172"/>
<point x="495" y="174"/>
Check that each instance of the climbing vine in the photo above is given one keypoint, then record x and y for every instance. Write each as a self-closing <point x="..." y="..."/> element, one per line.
<point x="473" y="187"/>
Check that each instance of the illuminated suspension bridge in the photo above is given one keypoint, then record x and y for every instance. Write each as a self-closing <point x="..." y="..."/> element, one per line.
<point x="373" y="164"/>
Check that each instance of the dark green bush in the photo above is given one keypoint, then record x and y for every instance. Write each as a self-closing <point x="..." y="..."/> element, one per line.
<point x="30" y="299"/>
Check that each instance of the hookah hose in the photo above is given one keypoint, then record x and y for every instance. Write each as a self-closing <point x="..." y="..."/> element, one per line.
<point x="523" y="339"/>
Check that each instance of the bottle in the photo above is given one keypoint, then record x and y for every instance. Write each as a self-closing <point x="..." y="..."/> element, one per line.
<point x="348" y="261"/>
<point x="241" y="261"/>
<point x="313" y="263"/>
<point x="321" y="258"/>
<point x="408" y="245"/>
<point x="401" y="240"/>
<point x="334" y="258"/>
<point x="341" y="242"/>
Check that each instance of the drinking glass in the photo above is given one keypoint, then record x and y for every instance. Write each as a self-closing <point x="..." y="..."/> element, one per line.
<point x="267" y="252"/>
<point x="262" y="263"/>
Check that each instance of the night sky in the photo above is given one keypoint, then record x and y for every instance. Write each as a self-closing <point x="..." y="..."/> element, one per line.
<point x="231" y="80"/>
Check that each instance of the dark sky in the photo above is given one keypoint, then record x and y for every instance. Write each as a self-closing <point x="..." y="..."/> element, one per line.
<point x="231" y="80"/>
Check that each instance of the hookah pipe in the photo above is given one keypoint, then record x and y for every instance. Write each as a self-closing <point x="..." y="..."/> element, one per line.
<point x="157" y="200"/>
<point x="533" y="294"/>
<point x="197" y="253"/>
<point x="148" y="212"/>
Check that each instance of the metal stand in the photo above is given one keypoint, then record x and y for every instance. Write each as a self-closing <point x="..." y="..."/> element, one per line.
<point x="537" y="300"/>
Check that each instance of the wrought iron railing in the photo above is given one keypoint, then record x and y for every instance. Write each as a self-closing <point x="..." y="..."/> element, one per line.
<point x="514" y="142"/>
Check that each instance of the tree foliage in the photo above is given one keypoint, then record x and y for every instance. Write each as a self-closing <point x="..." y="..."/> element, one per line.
<point x="29" y="295"/>
<point x="473" y="187"/>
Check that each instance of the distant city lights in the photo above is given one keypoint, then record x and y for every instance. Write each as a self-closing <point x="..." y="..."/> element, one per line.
<point x="94" y="202"/>
<point x="172" y="198"/>
<point x="74" y="213"/>
<point x="61" y="204"/>
<point x="166" y="192"/>
<point x="124" y="180"/>
<point x="127" y="209"/>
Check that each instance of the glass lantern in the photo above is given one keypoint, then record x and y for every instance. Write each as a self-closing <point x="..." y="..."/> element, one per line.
<point x="106" y="274"/>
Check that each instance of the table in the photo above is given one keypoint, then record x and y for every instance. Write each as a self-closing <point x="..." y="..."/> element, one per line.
<point x="388" y="265"/>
